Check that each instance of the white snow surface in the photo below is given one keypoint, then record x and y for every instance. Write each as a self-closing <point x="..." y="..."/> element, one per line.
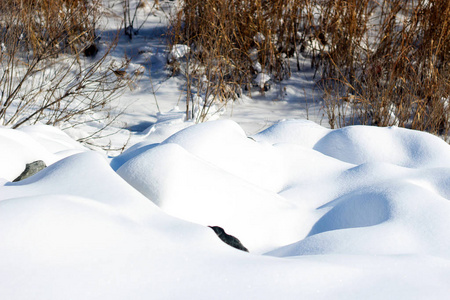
<point x="353" y="213"/>
<point x="178" y="52"/>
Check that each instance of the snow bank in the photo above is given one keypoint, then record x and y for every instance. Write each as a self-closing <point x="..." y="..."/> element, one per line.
<point x="352" y="213"/>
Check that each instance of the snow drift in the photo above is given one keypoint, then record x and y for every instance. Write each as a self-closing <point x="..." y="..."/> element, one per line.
<point x="358" y="212"/>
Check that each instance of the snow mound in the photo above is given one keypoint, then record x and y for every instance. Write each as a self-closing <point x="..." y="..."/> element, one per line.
<point x="296" y="181"/>
<point x="408" y="221"/>
<point x="31" y="143"/>
<point x="399" y="146"/>
<point x="76" y="176"/>
<point x="211" y="196"/>
<point x="301" y="132"/>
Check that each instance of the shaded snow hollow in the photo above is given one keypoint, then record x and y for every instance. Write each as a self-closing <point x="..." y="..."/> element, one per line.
<point x="353" y="213"/>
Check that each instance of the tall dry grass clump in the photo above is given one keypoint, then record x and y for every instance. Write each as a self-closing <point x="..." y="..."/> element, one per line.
<point x="388" y="63"/>
<point x="233" y="41"/>
<point x="63" y="24"/>
<point x="377" y="62"/>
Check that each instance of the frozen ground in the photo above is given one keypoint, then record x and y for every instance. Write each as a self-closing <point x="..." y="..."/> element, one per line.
<point x="353" y="213"/>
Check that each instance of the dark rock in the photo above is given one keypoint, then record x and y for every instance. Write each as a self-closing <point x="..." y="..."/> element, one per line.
<point x="31" y="169"/>
<point x="228" y="239"/>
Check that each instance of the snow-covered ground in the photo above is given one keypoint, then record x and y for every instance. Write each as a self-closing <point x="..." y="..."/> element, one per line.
<point x="352" y="213"/>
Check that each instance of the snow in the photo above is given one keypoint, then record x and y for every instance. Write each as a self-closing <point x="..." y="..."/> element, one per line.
<point x="319" y="223"/>
<point x="178" y="51"/>
<point x="353" y="213"/>
<point x="261" y="79"/>
<point x="358" y="144"/>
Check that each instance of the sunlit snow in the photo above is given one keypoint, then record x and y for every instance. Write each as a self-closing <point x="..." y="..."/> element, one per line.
<point x="359" y="212"/>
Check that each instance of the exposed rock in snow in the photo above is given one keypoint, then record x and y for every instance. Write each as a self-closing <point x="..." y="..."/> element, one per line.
<point x="228" y="239"/>
<point x="31" y="169"/>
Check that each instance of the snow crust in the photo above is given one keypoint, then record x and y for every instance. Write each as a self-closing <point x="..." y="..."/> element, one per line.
<point x="358" y="212"/>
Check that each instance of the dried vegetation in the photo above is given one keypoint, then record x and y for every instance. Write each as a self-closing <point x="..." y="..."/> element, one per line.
<point x="377" y="62"/>
<point x="50" y="71"/>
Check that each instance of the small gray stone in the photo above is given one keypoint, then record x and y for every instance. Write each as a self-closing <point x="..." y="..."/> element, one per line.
<point x="228" y="239"/>
<point x="31" y="169"/>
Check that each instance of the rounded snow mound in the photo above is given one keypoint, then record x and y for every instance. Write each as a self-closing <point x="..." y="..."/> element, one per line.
<point x="297" y="186"/>
<point x="32" y="143"/>
<point x="190" y="188"/>
<point x="399" y="146"/>
<point x="404" y="220"/>
<point x="301" y="132"/>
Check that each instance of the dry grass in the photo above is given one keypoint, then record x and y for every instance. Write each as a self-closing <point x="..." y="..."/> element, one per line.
<point x="232" y="41"/>
<point x="378" y="62"/>
<point x="62" y="24"/>
<point x="389" y="62"/>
